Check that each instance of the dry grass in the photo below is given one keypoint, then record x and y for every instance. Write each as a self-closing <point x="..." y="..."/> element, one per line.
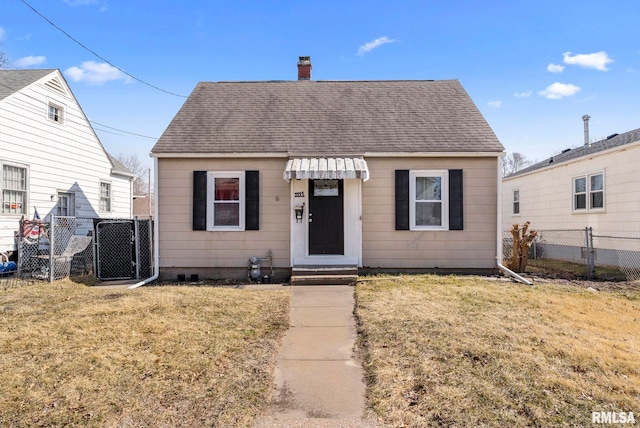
<point x="447" y="351"/>
<point x="155" y="356"/>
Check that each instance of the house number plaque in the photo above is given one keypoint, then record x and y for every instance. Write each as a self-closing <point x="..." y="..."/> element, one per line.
<point x="298" y="194"/>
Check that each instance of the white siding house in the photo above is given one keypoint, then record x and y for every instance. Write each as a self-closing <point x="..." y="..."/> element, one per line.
<point x="595" y="185"/>
<point x="50" y="157"/>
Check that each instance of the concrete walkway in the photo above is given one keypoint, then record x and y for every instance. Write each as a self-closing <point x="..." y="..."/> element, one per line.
<point x="318" y="377"/>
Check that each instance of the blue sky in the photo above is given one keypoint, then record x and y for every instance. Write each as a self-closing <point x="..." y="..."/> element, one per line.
<point x="533" y="68"/>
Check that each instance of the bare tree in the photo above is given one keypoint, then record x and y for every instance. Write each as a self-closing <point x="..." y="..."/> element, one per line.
<point x="4" y="61"/>
<point x="135" y="165"/>
<point x="514" y="162"/>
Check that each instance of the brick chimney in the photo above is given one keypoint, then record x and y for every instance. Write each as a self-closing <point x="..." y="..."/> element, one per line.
<point x="304" y="68"/>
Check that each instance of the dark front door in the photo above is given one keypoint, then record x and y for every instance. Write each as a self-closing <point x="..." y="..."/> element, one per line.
<point x="326" y="218"/>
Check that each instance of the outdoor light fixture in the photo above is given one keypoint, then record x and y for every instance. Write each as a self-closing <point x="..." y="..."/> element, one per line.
<point x="299" y="210"/>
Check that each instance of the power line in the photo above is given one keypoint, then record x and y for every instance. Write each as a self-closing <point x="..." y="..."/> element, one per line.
<point x="100" y="57"/>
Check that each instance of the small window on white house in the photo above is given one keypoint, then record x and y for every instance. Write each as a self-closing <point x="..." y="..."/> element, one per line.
<point x="429" y="196"/>
<point x="56" y="113"/>
<point x="14" y="189"/>
<point x="516" y="201"/>
<point x="226" y="201"/>
<point x="588" y="192"/>
<point x="66" y="204"/>
<point x="105" y="197"/>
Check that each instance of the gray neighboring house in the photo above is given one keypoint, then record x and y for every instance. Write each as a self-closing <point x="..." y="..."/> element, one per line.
<point x="378" y="175"/>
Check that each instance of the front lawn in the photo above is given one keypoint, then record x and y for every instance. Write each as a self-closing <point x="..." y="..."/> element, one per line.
<point x="464" y="351"/>
<point x="155" y="356"/>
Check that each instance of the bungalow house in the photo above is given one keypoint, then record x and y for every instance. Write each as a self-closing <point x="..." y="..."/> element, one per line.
<point x="594" y="185"/>
<point x="51" y="159"/>
<point x="374" y="175"/>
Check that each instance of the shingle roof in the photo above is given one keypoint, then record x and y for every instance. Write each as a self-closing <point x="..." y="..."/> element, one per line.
<point x="328" y="118"/>
<point x="12" y="81"/>
<point x="610" y="142"/>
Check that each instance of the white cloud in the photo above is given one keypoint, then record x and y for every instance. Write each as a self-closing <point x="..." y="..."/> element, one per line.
<point x="29" y="61"/>
<point x="557" y="90"/>
<point x="522" y="94"/>
<point x="555" y="68"/>
<point x="598" y="60"/>
<point x="495" y="104"/>
<point x="96" y="73"/>
<point x="369" y="46"/>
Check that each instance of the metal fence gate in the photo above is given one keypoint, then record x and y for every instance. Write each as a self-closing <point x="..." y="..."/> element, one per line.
<point x="123" y="249"/>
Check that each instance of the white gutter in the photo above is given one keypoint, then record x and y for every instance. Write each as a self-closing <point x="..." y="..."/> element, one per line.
<point x="156" y="233"/>
<point x="499" y="233"/>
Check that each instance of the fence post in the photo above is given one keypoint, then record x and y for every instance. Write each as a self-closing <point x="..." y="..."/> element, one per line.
<point x="136" y="231"/>
<point x="590" y="253"/>
<point x="52" y="247"/>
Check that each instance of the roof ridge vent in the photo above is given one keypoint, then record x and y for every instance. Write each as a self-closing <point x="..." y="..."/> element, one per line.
<point x="611" y="136"/>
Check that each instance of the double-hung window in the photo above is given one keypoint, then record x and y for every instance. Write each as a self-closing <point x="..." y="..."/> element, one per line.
<point x="14" y="189"/>
<point x="516" y="201"/>
<point x="588" y="192"/>
<point x="429" y="196"/>
<point x="226" y="201"/>
<point x="105" y="197"/>
<point x="55" y="113"/>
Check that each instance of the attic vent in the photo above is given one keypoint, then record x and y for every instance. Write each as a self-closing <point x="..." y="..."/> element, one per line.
<point x="611" y="136"/>
<point x="56" y="85"/>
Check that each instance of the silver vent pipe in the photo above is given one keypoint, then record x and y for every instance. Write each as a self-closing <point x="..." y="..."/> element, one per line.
<point x="586" y="118"/>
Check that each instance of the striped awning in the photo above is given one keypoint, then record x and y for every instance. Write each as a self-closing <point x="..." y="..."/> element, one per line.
<point x="326" y="169"/>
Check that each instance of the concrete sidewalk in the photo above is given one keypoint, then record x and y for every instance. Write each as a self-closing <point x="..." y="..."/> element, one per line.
<point x="318" y="378"/>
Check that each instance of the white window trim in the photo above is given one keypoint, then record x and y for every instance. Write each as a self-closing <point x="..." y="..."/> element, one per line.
<point x="63" y="112"/>
<point x="71" y="207"/>
<point x="444" y="195"/>
<point x="27" y="190"/>
<point x="110" y="210"/>
<point x="588" y="193"/>
<point x="513" y="202"/>
<point x="211" y="176"/>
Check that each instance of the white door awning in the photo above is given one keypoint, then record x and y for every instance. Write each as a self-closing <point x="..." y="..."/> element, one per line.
<point x="326" y="169"/>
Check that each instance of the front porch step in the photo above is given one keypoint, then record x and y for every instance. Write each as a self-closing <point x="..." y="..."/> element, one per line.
<point x="323" y="270"/>
<point x="323" y="279"/>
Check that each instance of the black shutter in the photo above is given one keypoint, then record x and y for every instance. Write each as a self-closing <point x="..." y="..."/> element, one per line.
<point x="455" y="200"/>
<point x="252" y="200"/>
<point x="199" y="200"/>
<point x="402" y="199"/>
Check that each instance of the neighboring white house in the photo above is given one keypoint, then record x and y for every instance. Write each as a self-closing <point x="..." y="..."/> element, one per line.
<point x="595" y="185"/>
<point x="50" y="156"/>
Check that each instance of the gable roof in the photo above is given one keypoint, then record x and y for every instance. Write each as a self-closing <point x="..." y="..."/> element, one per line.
<point x="12" y="81"/>
<point x="328" y="118"/>
<point x="610" y="142"/>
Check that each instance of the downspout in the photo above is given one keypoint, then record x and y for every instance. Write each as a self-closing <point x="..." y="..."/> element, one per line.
<point x="156" y="233"/>
<point x="503" y="268"/>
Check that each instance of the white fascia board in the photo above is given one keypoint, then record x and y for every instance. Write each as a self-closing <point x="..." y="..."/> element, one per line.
<point x="219" y="155"/>
<point x="434" y="154"/>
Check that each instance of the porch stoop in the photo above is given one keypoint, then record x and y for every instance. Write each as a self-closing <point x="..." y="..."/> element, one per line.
<point x="324" y="275"/>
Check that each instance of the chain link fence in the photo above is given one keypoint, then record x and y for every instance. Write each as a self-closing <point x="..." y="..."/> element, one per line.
<point x="73" y="246"/>
<point x="583" y="247"/>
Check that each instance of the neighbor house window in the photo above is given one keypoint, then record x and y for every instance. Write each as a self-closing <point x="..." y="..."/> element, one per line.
<point x="226" y="201"/>
<point x="105" y="197"/>
<point x="66" y="204"/>
<point x="588" y="192"/>
<point x="516" y="201"/>
<point x="14" y="189"/>
<point x="429" y="196"/>
<point x="56" y="113"/>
